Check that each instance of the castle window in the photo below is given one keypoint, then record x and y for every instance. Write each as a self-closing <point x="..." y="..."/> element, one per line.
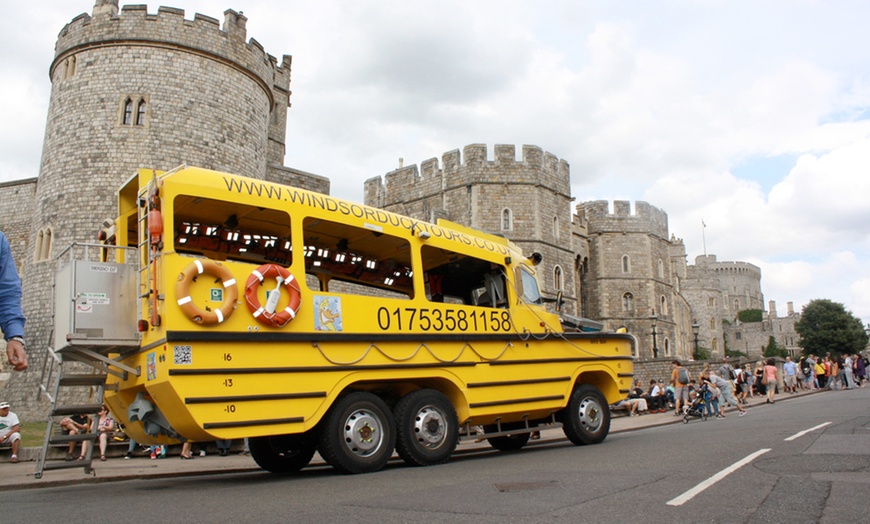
<point x="626" y="264"/>
<point x="628" y="303"/>
<point x="667" y="347"/>
<point x="661" y="269"/>
<point x="128" y="112"/>
<point x="43" y="245"/>
<point x="711" y="302"/>
<point x="738" y="335"/>
<point x="736" y="305"/>
<point x="507" y="220"/>
<point x="664" y="306"/>
<point x="558" y="282"/>
<point x="140" y="113"/>
<point x="556" y="228"/>
<point x="713" y="323"/>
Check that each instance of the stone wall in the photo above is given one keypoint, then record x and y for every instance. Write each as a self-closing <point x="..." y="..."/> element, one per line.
<point x="470" y="189"/>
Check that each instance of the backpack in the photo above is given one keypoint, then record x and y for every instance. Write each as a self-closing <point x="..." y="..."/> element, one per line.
<point x="683" y="376"/>
<point x="805" y="368"/>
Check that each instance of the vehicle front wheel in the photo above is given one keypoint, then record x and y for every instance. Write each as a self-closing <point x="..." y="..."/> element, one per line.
<point x="282" y="453"/>
<point x="586" y="420"/>
<point x="427" y="428"/>
<point x="358" y="434"/>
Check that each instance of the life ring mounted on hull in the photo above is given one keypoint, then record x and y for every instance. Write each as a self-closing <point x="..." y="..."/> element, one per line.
<point x="267" y="314"/>
<point x="207" y="316"/>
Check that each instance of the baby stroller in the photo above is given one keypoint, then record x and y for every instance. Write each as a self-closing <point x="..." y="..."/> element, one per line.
<point x="698" y="406"/>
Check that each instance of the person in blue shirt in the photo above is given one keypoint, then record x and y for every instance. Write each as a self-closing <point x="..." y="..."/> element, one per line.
<point x="11" y="315"/>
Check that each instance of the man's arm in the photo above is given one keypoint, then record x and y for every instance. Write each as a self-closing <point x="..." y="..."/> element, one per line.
<point x="11" y="315"/>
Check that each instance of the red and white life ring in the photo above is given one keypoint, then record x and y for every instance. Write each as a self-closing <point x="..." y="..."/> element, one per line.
<point x="194" y="312"/>
<point x="267" y="314"/>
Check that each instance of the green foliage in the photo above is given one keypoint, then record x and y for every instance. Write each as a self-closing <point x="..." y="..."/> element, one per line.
<point x="703" y="354"/>
<point x="735" y="353"/>
<point x="827" y="327"/>
<point x="750" y="315"/>
<point x="773" y="349"/>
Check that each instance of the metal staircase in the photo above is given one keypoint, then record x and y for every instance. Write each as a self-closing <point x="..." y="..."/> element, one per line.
<point x="95" y="314"/>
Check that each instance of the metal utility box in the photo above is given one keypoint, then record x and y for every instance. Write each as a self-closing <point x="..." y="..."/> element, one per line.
<point x="96" y="305"/>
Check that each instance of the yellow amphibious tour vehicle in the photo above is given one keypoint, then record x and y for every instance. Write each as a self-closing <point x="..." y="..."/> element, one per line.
<point x="239" y="308"/>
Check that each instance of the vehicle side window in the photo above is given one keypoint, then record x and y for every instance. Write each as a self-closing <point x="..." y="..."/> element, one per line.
<point x="357" y="261"/>
<point x="457" y="278"/>
<point x="229" y="230"/>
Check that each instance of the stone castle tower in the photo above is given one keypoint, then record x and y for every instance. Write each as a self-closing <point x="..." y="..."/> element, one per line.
<point x="633" y="276"/>
<point x="717" y="291"/>
<point x="132" y="89"/>
<point x="526" y="200"/>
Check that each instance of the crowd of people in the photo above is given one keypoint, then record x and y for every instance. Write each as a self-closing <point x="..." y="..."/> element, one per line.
<point x="737" y="385"/>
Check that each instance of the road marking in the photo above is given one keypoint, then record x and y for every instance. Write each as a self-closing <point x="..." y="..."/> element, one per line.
<point x="689" y="495"/>
<point x="804" y="432"/>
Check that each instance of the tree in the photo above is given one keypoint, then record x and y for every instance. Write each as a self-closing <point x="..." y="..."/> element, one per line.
<point x="773" y="349"/>
<point x="827" y="327"/>
<point x="750" y="315"/>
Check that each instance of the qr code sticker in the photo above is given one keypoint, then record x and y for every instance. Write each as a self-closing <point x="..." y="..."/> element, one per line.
<point x="183" y="355"/>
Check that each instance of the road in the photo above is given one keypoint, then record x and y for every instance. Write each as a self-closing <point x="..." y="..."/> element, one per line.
<point x="803" y="460"/>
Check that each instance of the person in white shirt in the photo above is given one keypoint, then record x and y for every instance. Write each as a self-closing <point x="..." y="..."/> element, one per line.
<point x="10" y="428"/>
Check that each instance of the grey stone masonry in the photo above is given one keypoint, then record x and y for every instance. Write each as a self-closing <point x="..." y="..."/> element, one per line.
<point x="526" y="200"/>
<point x="135" y="89"/>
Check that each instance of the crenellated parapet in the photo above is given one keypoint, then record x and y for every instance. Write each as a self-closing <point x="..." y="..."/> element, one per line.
<point x="644" y="219"/>
<point x="709" y="263"/>
<point x="471" y="167"/>
<point x="134" y="26"/>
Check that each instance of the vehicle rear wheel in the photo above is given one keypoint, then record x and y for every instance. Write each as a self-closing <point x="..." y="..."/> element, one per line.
<point x="586" y="420"/>
<point x="427" y="430"/>
<point x="282" y="453"/>
<point x="510" y="442"/>
<point x="358" y="434"/>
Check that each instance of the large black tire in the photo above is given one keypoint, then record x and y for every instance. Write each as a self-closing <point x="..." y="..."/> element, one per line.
<point x="427" y="430"/>
<point x="358" y="434"/>
<point x="282" y="453"/>
<point x="586" y="420"/>
<point x="511" y="442"/>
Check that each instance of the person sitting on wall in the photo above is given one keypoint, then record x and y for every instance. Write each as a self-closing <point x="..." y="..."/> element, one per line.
<point x="10" y="428"/>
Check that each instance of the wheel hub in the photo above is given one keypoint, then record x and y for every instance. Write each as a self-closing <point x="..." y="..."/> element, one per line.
<point x="363" y="433"/>
<point x="430" y="427"/>
<point x="590" y="414"/>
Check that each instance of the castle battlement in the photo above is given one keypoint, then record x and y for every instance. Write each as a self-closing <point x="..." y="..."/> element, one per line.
<point x="709" y="262"/>
<point x="168" y="28"/>
<point x="471" y="167"/>
<point x="645" y="219"/>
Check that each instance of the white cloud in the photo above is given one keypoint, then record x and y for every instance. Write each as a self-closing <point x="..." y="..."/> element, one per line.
<point x="656" y="101"/>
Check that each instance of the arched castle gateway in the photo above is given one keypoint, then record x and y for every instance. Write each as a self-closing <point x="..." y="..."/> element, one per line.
<point x="135" y="89"/>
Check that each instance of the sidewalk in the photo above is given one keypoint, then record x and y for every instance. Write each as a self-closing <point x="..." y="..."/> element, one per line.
<point x="21" y="475"/>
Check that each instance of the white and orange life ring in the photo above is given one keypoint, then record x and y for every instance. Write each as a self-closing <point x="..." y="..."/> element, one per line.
<point x="267" y="314"/>
<point x="185" y="302"/>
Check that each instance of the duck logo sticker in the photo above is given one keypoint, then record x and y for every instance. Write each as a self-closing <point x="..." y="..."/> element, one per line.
<point x="152" y="366"/>
<point x="328" y="313"/>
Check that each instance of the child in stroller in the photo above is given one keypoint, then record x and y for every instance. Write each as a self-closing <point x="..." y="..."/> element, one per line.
<point x="699" y="404"/>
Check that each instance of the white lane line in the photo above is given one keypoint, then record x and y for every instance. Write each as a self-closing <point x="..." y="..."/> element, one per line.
<point x="689" y="495"/>
<point x="804" y="432"/>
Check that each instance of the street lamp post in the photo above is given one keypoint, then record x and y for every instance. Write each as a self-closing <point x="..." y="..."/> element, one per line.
<point x="654" y="320"/>
<point x="695" y="329"/>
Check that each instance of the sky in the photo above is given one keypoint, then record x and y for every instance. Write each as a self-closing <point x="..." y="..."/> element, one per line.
<point x="749" y="116"/>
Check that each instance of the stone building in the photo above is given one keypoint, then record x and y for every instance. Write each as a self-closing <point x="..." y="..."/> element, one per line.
<point x="133" y="89"/>
<point x="753" y="338"/>
<point x="527" y="200"/>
